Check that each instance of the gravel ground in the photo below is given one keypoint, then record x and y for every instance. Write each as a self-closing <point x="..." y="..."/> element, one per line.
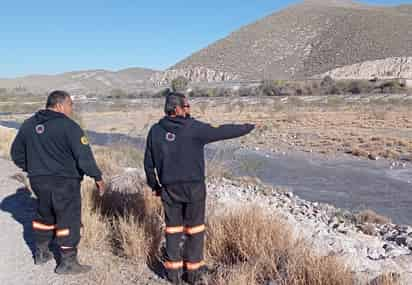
<point x="16" y="241"/>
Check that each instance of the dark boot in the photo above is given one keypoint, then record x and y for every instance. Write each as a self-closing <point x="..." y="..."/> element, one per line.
<point x="197" y="276"/>
<point x="174" y="276"/>
<point x="42" y="254"/>
<point x="70" y="265"/>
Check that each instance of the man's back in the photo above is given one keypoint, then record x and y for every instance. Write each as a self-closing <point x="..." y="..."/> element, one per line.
<point x="175" y="147"/>
<point x="51" y="144"/>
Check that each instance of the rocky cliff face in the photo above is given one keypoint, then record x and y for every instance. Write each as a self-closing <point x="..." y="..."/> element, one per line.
<point x="194" y="74"/>
<point x="388" y="68"/>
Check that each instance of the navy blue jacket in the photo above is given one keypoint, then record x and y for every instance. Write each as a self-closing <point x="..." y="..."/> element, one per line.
<point x="51" y="144"/>
<point x="175" y="149"/>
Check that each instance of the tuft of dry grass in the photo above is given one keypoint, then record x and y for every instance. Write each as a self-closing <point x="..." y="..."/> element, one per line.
<point x="96" y="228"/>
<point x="7" y="136"/>
<point x="370" y="216"/>
<point x="129" y="224"/>
<point x="249" y="247"/>
<point x="139" y="229"/>
<point x="388" y="278"/>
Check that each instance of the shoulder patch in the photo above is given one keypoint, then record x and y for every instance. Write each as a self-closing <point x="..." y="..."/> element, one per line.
<point x="84" y="140"/>
<point x="215" y="125"/>
<point x="40" y="129"/>
<point x="171" y="137"/>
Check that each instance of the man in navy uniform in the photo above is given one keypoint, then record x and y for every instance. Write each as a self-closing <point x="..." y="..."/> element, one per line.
<point x="175" y="169"/>
<point x="55" y="153"/>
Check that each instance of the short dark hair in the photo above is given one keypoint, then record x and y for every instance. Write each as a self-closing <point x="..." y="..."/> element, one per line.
<point x="173" y="99"/>
<point x="56" y="97"/>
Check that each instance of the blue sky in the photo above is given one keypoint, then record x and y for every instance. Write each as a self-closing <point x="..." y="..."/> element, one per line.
<point x="49" y="37"/>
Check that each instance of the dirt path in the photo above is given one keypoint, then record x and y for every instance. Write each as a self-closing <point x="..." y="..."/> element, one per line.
<point x="16" y="244"/>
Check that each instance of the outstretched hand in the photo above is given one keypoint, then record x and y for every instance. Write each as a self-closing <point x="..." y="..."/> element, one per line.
<point x="259" y="126"/>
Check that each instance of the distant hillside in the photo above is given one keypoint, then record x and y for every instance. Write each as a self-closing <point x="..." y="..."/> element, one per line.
<point x="307" y="39"/>
<point x="83" y="82"/>
<point x="304" y="40"/>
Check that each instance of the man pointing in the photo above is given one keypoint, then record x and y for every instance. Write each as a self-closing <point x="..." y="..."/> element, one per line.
<point x="175" y="169"/>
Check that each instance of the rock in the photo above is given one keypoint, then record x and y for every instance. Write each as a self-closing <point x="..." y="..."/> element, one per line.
<point x="401" y="240"/>
<point x="408" y="242"/>
<point x="289" y="194"/>
<point x="376" y="253"/>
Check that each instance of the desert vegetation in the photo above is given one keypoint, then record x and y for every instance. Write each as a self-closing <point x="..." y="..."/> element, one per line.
<point x="244" y="246"/>
<point x="370" y="126"/>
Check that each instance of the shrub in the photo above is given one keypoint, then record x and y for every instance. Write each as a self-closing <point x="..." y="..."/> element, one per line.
<point x="370" y="216"/>
<point x="269" y="88"/>
<point x="118" y="94"/>
<point x="251" y="247"/>
<point x="392" y="86"/>
<point x="179" y="84"/>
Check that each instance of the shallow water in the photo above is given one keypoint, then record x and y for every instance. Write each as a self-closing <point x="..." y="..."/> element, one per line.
<point x="345" y="182"/>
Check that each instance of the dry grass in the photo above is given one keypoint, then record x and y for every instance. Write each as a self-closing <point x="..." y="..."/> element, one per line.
<point x="386" y="279"/>
<point x="324" y="125"/>
<point x="370" y="216"/>
<point x="248" y="247"/>
<point x="243" y="246"/>
<point x="7" y="136"/>
<point x="129" y="224"/>
<point x="96" y="230"/>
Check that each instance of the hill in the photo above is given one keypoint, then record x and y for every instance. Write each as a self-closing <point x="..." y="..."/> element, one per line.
<point x="83" y="82"/>
<point x="309" y="38"/>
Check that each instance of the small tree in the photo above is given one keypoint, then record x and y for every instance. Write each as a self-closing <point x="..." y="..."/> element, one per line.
<point x="179" y="84"/>
<point x="118" y="93"/>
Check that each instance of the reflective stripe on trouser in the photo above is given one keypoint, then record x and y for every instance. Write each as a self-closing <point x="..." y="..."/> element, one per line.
<point x="173" y="265"/>
<point x="38" y="226"/>
<point x="43" y="233"/>
<point x="191" y="266"/>
<point x="58" y="205"/>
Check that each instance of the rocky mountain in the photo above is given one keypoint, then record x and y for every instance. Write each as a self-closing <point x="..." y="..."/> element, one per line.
<point x="83" y="82"/>
<point x="310" y="38"/>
